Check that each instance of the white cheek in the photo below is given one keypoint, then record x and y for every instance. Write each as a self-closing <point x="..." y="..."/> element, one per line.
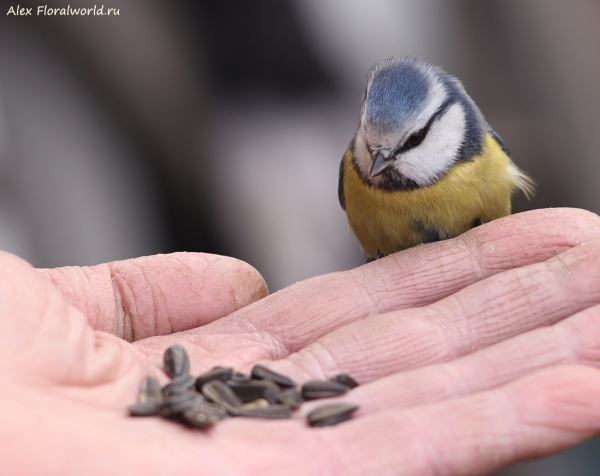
<point x="438" y="152"/>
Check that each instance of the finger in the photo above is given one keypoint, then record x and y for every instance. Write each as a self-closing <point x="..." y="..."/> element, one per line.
<point x="308" y="310"/>
<point x="572" y="341"/>
<point x="478" y="316"/>
<point x="160" y="294"/>
<point x="535" y="416"/>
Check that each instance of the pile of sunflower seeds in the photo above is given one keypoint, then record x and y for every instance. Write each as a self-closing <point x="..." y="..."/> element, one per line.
<point x="222" y="392"/>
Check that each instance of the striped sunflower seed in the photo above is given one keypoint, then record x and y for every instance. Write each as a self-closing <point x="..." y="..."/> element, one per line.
<point x="197" y="419"/>
<point x="314" y="389"/>
<point x="332" y="414"/>
<point x="258" y="403"/>
<point x="150" y="391"/>
<point x="290" y="397"/>
<point x="218" y="373"/>
<point x="221" y="394"/>
<point x="249" y="390"/>
<point x="175" y="404"/>
<point x="202" y="415"/>
<point x="176" y="361"/>
<point x="201" y="401"/>
<point x="261" y="372"/>
<point x="272" y="411"/>
<point x="240" y="376"/>
<point x="345" y="379"/>
<point x="144" y="409"/>
<point x="179" y="384"/>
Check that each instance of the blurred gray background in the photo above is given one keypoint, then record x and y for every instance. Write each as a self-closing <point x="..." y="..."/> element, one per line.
<point x="219" y="126"/>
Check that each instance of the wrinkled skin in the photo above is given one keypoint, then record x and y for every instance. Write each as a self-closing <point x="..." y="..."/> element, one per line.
<point x="472" y="353"/>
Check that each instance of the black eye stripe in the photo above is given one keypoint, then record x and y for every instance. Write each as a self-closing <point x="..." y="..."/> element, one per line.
<point x="417" y="137"/>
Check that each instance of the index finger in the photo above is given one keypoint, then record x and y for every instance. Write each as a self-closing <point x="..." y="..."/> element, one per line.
<point x="297" y="316"/>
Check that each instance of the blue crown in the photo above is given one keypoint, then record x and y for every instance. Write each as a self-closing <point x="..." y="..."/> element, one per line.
<point x="397" y="90"/>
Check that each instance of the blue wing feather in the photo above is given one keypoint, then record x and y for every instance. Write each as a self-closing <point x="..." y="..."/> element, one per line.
<point x="341" y="195"/>
<point x="498" y="139"/>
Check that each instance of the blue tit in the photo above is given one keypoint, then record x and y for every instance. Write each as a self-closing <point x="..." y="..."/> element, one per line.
<point x="424" y="165"/>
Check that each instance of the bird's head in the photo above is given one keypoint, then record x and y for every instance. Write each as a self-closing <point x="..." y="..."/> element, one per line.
<point x="416" y="123"/>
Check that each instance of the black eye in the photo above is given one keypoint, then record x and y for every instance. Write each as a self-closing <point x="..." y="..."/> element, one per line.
<point x="415" y="139"/>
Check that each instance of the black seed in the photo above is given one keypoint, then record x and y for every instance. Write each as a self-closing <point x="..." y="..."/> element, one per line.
<point x="236" y="394"/>
<point x="209" y="407"/>
<point x="218" y="373"/>
<point x="186" y="381"/>
<point x="240" y="376"/>
<point x="150" y="391"/>
<point x="333" y="414"/>
<point x="322" y="389"/>
<point x="219" y="393"/>
<point x="168" y="390"/>
<point x="261" y="372"/>
<point x="197" y="419"/>
<point x="144" y="409"/>
<point x="258" y="403"/>
<point x="175" y="404"/>
<point x="291" y="397"/>
<point x="249" y="390"/>
<point x="345" y="379"/>
<point x="176" y="361"/>
<point x="272" y="411"/>
<point x="179" y="384"/>
<point x="333" y="420"/>
<point x="202" y="415"/>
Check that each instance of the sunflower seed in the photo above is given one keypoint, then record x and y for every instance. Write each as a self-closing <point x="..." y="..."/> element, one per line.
<point x="201" y="401"/>
<point x="258" y="403"/>
<point x="179" y="384"/>
<point x="218" y="373"/>
<point x="202" y="415"/>
<point x="209" y="407"/>
<point x="240" y="376"/>
<point x="249" y="390"/>
<point x="168" y="390"/>
<point x="175" y="404"/>
<point x="332" y="414"/>
<point x="219" y="393"/>
<point x="322" y="389"/>
<point x="150" y="391"/>
<point x="291" y="397"/>
<point x="176" y="361"/>
<point x="184" y="381"/>
<point x="144" y="409"/>
<point x="272" y="411"/>
<point x="345" y="379"/>
<point x="261" y="372"/>
<point x="197" y="419"/>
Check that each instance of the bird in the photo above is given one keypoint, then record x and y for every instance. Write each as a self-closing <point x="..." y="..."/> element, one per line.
<point x="424" y="165"/>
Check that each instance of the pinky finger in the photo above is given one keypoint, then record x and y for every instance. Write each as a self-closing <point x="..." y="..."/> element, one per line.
<point x="535" y="416"/>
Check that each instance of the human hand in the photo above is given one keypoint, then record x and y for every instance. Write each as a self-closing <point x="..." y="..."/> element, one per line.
<point x="472" y="353"/>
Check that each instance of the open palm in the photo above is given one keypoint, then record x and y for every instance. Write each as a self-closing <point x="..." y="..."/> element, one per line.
<point x="472" y="353"/>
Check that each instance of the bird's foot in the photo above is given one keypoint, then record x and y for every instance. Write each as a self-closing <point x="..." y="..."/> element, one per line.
<point x="378" y="255"/>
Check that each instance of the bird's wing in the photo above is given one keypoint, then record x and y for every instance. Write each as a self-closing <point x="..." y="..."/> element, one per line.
<point x="341" y="196"/>
<point x="498" y="139"/>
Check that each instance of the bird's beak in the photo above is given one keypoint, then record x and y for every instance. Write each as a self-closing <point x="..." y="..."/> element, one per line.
<point x="381" y="164"/>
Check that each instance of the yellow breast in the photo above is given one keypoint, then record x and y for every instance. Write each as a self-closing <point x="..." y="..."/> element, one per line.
<point x="391" y="221"/>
